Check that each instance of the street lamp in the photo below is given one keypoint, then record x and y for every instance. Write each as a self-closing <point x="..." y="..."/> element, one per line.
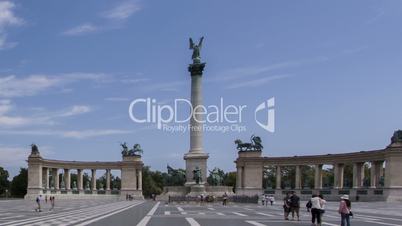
<point x="6" y="193"/>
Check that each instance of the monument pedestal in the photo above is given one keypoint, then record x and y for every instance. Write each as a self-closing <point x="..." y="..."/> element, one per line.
<point x="194" y="160"/>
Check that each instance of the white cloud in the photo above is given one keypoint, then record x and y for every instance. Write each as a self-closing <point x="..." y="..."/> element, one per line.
<point x="122" y="11"/>
<point x="77" y="134"/>
<point x="256" y="82"/>
<point x="117" y="99"/>
<point x="8" y="120"/>
<point x="17" y="156"/>
<point x="81" y="30"/>
<point x="242" y="72"/>
<point x="81" y="134"/>
<point x="76" y="110"/>
<point x="12" y="86"/>
<point x="7" y="19"/>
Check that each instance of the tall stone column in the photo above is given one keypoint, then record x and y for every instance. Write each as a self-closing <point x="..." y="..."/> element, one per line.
<point x="80" y="180"/>
<point x="93" y="179"/>
<point x="298" y="178"/>
<point x="67" y="179"/>
<point x="239" y="178"/>
<point x="45" y="178"/>
<point x="358" y="175"/>
<point x="338" y="175"/>
<point x="379" y="173"/>
<point x="139" y="179"/>
<point x="196" y="157"/>
<point x="56" y="182"/>
<point x="108" y="180"/>
<point x="373" y="175"/>
<point x="278" y="177"/>
<point x="318" y="177"/>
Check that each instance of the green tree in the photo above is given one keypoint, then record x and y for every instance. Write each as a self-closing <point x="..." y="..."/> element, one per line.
<point x="19" y="184"/>
<point x="152" y="182"/>
<point x="4" y="183"/>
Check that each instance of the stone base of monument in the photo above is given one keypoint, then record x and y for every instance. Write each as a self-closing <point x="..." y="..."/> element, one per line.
<point x="195" y="191"/>
<point x="135" y="194"/>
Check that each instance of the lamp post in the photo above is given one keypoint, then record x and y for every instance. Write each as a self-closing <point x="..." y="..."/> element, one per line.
<point x="6" y="193"/>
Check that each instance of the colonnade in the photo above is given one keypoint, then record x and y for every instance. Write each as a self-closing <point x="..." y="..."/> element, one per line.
<point x="43" y="177"/>
<point x="384" y="164"/>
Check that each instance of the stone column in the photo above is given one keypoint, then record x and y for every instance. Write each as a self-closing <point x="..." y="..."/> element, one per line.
<point x="318" y="177"/>
<point x="278" y="177"/>
<point x="196" y="157"/>
<point x="379" y="172"/>
<point x="108" y="180"/>
<point x="67" y="179"/>
<point x="358" y="174"/>
<point x="93" y="179"/>
<point x="34" y="176"/>
<point x="139" y="179"/>
<point x="55" y="176"/>
<point x="45" y="177"/>
<point x="80" y="180"/>
<point x="373" y="176"/>
<point x="338" y="176"/>
<point x="298" y="178"/>
<point x="239" y="178"/>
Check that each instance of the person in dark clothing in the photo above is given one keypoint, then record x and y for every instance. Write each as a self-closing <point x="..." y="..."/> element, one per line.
<point x="295" y="206"/>
<point x="286" y="206"/>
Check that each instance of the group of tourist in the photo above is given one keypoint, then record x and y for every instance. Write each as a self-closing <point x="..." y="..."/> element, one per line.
<point x="39" y="200"/>
<point x="316" y="206"/>
<point x="265" y="199"/>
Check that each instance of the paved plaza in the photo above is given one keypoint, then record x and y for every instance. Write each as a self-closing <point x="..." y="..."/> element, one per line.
<point x="141" y="213"/>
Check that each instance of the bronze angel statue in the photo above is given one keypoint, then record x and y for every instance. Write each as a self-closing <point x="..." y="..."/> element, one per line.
<point x="196" y="50"/>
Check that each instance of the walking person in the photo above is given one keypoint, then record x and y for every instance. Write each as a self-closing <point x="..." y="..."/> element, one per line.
<point x="225" y="199"/>
<point x="263" y="199"/>
<point x="344" y="210"/>
<point x="295" y="206"/>
<point x="286" y="206"/>
<point x="51" y="203"/>
<point x="272" y="200"/>
<point x="315" y="210"/>
<point x="38" y="207"/>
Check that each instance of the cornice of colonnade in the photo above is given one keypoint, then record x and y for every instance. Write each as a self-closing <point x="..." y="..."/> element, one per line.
<point x="330" y="159"/>
<point x="97" y="165"/>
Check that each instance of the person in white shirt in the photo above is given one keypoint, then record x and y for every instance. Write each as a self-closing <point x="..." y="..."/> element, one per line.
<point x="316" y="209"/>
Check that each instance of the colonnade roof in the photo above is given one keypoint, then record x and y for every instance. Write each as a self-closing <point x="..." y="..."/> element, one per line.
<point x="97" y="165"/>
<point x="325" y="159"/>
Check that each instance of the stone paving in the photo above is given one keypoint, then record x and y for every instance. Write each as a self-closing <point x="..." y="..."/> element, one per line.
<point x="147" y="213"/>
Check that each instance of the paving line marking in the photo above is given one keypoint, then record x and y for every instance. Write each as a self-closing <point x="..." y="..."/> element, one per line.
<point x="192" y="222"/>
<point x="146" y="219"/>
<point x="167" y="212"/>
<point x="180" y="209"/>
<point x="255" y="223"/>
<point x="239" y="214"/>
<point x="220" y="214"/>
<point x="248" y="209"/>
<point x="382" y="223"/>
<point x="11" y="217"/>
<point x="384" y="218"/>
<point x="325" y="223"/>
<point x="63" y="214"/>
<point x="183" y="213"/>
<point x="108" y="215"/>
<point x="211" y="208"/>
<point x="265" y="214"/>
<point x="201" y="213"/>
<point x="94" y="212"/>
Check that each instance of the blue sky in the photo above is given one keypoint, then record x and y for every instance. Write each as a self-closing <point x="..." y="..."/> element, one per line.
<point x="69" y="70"/>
